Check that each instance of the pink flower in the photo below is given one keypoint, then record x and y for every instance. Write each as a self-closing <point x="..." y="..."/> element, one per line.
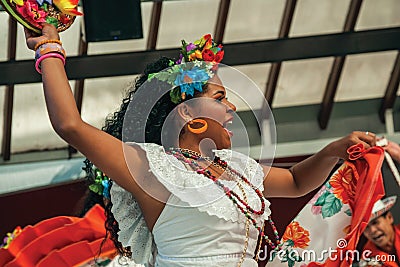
<point x="32" y="13"/>
<point x="317" y="209"/>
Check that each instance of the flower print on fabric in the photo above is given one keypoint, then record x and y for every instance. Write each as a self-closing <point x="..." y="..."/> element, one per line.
<point x="296" y="236"/>
<point x="344" y="184"/>
<point x="340" y="189"/>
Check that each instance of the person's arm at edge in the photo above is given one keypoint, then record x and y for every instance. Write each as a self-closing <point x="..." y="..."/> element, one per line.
<point x="394" y="150"/>
<point x="311" y="173"/>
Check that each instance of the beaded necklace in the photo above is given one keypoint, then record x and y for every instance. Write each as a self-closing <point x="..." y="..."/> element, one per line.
<point x="191" y="158"/>
<point x="246" y="241"/>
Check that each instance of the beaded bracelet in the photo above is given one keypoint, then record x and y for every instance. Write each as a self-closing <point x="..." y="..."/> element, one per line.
<point x="46" y="42"/>
<point x="49" y="48"/>
<point x="48" y="55"/>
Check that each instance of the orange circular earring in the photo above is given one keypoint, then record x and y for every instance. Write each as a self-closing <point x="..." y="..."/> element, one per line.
<point x="199" y="130"/>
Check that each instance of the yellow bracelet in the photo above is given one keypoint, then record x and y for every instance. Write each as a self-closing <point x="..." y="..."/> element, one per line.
<point x="47" y="41"/>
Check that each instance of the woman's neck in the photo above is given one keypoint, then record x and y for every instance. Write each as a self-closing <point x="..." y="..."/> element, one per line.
<point x="203" y="148"/>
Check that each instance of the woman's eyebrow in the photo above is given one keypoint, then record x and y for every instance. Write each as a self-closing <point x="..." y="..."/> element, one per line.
<point x="219" y="92"/>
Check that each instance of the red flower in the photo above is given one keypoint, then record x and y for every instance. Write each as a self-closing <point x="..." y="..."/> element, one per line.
<point x="207" y="36"/>
<point x="344" y="184"/>
<point x="64" y="19"/>
<point x="208" y="55"/>
<point x="219" y="56"/>
<point x="296" y="234"/>
<point x="208" y="41"/>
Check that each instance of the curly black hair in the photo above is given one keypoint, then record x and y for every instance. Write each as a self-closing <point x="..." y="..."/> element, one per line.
<point x="114" y="126"/>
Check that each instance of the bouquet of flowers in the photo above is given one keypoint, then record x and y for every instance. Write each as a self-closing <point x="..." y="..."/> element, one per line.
<point x="32" y="13"/>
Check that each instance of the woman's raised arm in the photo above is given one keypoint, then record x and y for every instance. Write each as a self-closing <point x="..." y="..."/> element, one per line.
<point x="104" y="150"/>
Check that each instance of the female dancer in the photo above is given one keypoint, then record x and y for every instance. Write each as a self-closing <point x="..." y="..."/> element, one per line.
<point x="188" y="201"/>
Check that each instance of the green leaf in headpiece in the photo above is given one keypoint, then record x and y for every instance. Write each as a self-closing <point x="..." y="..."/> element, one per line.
<point x="175" y="95"/>
<point x="151" y="76"/>
<point x="184" y="53"/>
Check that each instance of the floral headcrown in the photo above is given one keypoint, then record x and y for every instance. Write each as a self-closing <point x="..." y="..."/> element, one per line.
<point x="197" y="63"/>
<point x="203" y="49"/>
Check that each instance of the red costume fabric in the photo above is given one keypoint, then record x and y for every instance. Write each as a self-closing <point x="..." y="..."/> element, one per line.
<point x="327" y="229"/>
<point x="369" y="188"/>
<point x="60" y="241"/>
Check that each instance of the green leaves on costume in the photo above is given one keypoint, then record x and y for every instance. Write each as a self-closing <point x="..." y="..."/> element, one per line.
<point x="330" y="204"/>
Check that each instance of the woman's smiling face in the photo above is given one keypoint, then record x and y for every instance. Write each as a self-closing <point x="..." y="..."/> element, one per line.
<point x="215" y="108"/>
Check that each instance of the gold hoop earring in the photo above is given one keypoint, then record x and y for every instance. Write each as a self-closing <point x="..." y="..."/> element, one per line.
<point x="200" y="130"/>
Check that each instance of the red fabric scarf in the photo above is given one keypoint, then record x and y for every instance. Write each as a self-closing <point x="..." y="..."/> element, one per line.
<point x="366" y="165"/>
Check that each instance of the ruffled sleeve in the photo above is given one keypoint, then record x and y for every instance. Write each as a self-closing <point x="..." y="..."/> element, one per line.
<point x="133" y="229"/>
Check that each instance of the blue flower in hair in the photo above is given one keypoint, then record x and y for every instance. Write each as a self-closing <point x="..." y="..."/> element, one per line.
<point x="191" y="80"/>
<point x="185" y="78"/>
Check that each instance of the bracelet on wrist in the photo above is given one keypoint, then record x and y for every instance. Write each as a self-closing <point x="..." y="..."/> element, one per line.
<point x="47" y="42"/>
<point x="46" y="48"/>
<point x="48" y="55"/>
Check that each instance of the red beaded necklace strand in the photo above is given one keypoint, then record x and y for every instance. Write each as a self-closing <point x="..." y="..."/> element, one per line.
<point x="191" y="157"/>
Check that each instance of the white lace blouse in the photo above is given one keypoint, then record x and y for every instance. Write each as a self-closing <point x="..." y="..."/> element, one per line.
<point x="200" y="225"/>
